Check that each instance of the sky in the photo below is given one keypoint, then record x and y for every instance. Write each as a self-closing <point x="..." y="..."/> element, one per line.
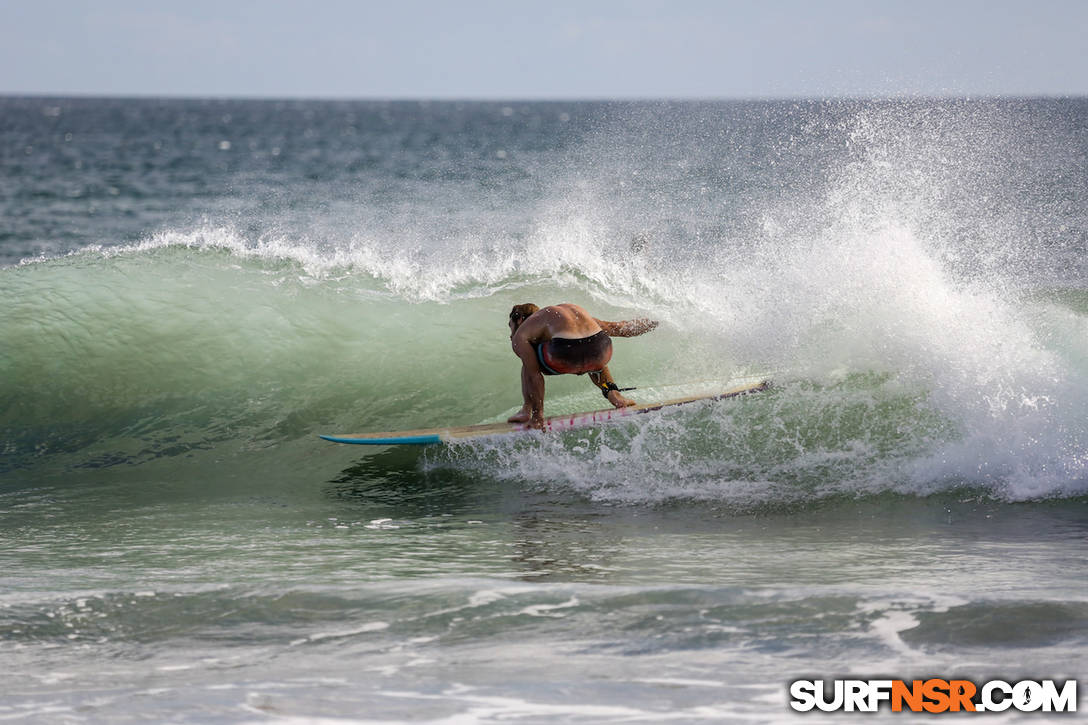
<point x="561" y="49"/>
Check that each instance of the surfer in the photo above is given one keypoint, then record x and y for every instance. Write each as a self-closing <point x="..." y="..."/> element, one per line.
<point x="565" y="340"/>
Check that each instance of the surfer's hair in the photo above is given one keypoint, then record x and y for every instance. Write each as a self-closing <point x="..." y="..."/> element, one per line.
<point x="520" y="313"/>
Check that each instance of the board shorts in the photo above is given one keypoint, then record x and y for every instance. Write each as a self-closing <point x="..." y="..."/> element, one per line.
<point x="574" y="356"/>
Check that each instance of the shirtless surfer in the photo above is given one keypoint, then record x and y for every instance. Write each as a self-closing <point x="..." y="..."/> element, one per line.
<point x="565" y="340"/>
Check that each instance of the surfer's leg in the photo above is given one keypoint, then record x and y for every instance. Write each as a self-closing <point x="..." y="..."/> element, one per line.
<point x="602" y="380"/>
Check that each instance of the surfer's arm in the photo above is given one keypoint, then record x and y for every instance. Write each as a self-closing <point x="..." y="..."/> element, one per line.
<point x="627" y="328"/>
<point x="532" y="380"/>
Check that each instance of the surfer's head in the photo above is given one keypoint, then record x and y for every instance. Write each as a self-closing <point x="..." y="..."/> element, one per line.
<point x="520" y="313"/>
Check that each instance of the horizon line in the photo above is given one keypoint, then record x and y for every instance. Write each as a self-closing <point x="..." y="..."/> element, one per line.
<point x="140" y="96"/>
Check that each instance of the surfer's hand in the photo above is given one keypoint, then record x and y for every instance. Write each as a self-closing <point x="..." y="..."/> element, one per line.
<point x="642" y="325"/>
<point x="522" y="416"/>
<point x="534" y="418"/>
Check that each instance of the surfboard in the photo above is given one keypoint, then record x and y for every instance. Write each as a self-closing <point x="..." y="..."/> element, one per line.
<point x="430" y="436"/>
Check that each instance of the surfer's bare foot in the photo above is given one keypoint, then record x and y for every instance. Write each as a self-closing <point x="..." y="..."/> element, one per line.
<point x="618" y="400"/>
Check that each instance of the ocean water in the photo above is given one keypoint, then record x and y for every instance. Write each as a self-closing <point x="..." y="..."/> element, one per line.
<point x="191" y="291"/>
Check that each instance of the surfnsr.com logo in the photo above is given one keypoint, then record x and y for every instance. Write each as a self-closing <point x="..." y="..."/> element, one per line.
<point x="933" y="695"/>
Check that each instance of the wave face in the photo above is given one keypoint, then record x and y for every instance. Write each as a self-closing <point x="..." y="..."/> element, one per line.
<point x="910" y="274"/>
